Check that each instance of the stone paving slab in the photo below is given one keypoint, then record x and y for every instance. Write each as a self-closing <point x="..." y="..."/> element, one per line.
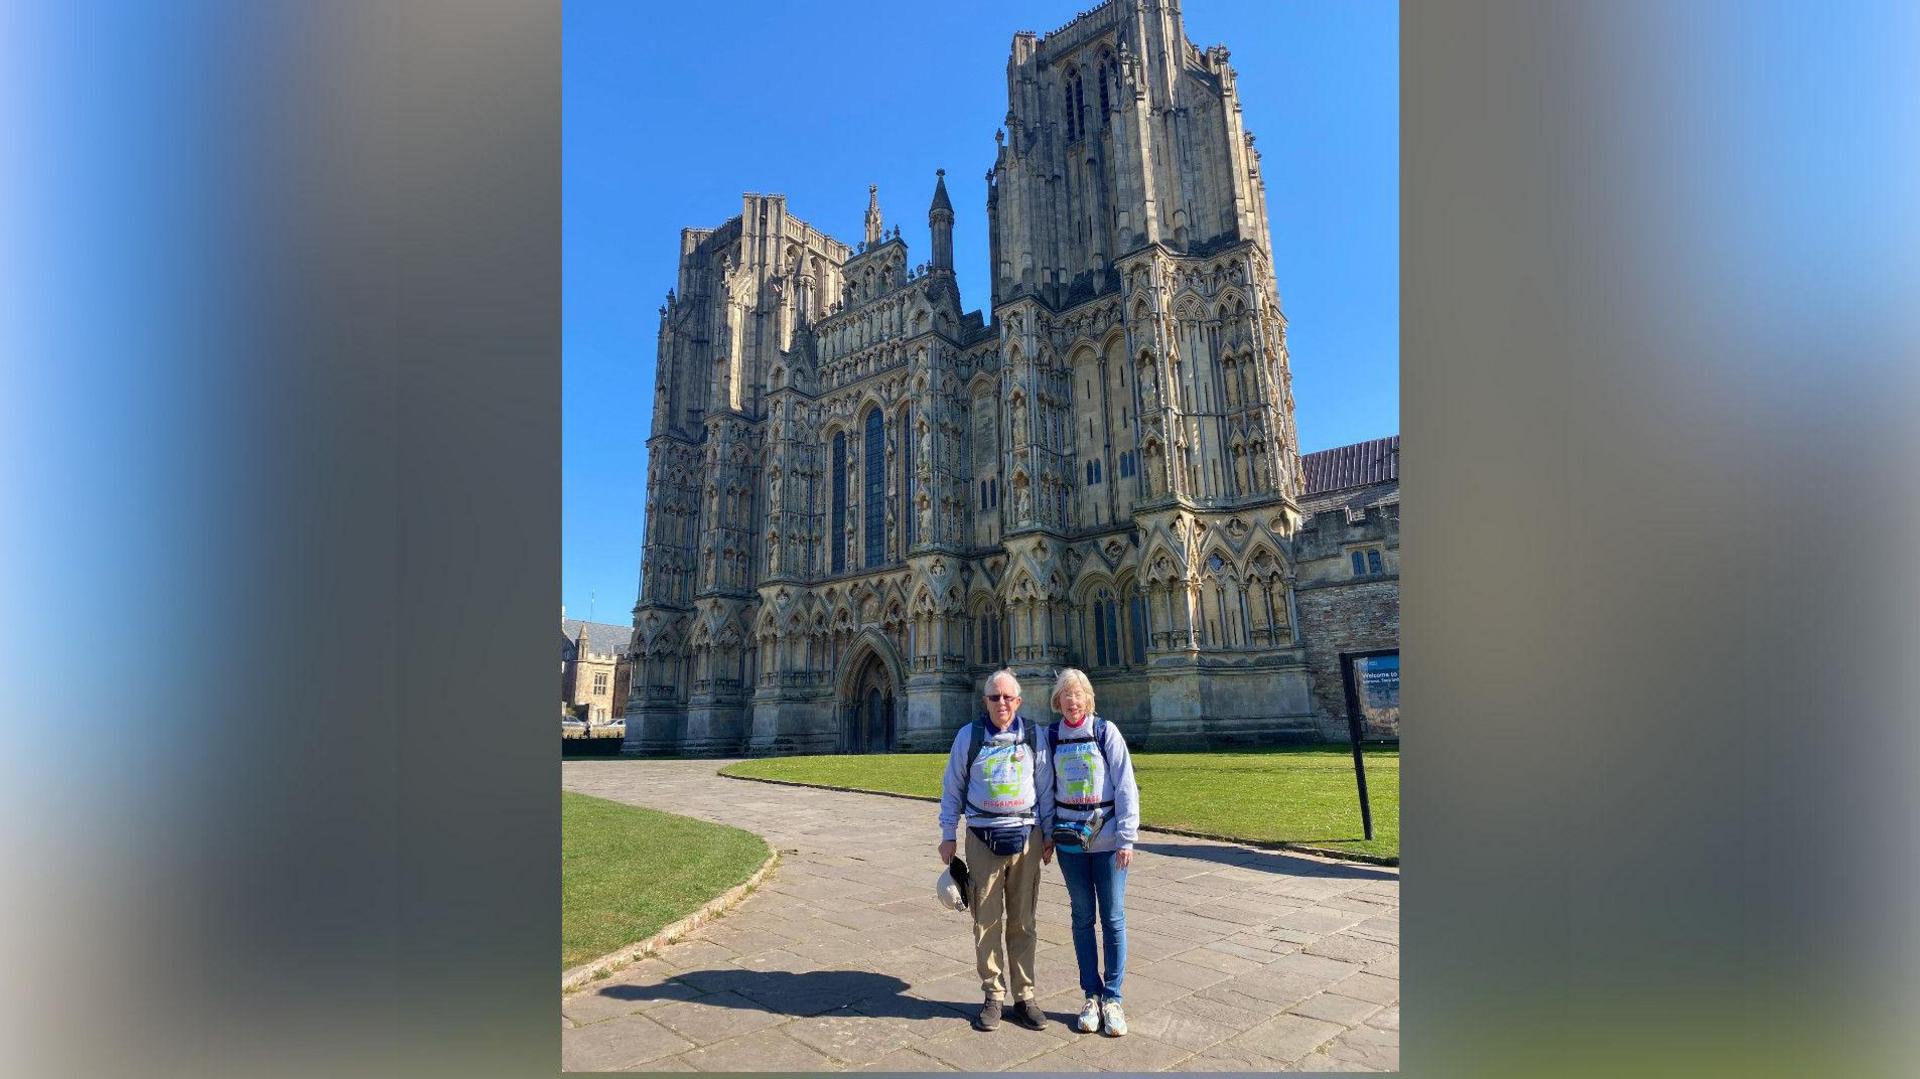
<point x="1239" y="959"/>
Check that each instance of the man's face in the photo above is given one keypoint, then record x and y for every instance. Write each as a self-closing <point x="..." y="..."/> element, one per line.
<point x="1002" y="703"/>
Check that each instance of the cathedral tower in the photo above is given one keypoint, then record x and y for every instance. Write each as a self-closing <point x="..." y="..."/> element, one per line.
<point x="862" y="498"/>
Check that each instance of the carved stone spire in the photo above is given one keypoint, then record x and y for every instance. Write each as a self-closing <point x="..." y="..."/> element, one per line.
<point x="874" y="234"/>
<point x="940" y="223"/>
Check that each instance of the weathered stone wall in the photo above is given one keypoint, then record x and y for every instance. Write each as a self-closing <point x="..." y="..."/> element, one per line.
<point x="1357" y="616"/>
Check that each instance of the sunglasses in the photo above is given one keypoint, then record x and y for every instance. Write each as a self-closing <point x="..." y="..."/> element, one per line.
<point x="996" y="698"/>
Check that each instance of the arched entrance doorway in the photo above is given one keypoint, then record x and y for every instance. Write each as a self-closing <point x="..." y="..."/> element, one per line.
<point x="870" y="711"/>
<point x="870" y="698"/>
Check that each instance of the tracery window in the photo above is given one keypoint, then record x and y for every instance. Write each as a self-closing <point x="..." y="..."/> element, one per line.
<point x="1106" y="637"/>
<point x="909" y="513"/>
<point x="838" y="537"/>
<point x="1137" y="610"/>
<point x="987" y="643"/>
<point x="1076" y="106"/>
<point x="874" y="494"/>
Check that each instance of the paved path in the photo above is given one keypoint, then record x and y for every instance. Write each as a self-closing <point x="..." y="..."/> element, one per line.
<point x="1239" y="959"/>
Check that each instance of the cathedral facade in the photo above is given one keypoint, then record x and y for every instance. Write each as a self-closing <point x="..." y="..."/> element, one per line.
<point x="862" y="497"/>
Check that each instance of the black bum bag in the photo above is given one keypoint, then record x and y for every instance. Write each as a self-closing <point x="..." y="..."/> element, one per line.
<point x="1003" y="841"/>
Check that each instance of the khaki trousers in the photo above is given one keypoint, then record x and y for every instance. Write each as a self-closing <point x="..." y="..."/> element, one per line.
<point x="1005" y="892"/>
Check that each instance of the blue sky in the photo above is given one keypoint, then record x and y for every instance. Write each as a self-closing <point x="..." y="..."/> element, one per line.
<point x="672" y="111"/>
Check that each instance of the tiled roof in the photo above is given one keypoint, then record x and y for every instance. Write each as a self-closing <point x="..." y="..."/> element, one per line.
<point x="601" y="638"/>
<point x="1374" y="461"/>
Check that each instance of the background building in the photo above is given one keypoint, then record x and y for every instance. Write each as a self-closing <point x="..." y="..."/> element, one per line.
<point x="1347" y="584"/>
<point x="861" y="497"/>
<point x="595" y="672"/>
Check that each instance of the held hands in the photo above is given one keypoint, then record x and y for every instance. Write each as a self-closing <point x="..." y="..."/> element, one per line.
<point x="1046" y="852"/>
<point x="947" y="847"/>
<point x="1123" y="857"/>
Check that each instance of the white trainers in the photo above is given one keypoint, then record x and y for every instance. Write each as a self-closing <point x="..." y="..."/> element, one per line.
<point x="1115" y="1019"/>
<point x="1089" y="1016"/>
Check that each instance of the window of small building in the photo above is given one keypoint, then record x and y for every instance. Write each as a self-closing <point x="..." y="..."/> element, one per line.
<point x="1368" y="562"/>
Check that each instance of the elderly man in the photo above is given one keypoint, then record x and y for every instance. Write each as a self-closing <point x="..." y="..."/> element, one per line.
<point x="997" y="774"/>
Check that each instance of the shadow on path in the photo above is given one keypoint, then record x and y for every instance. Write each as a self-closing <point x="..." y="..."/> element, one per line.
<point x="1270" y="861"/>
<point x="783" y="992"/>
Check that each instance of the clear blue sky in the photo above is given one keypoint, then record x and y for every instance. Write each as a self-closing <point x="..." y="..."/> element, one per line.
<point x="672" y="111"/>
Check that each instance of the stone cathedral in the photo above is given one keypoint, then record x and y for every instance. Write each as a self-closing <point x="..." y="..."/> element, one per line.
<point x="862" y="497"/>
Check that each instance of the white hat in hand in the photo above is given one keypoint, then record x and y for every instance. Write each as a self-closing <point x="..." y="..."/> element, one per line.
<point x="947" y="891"/>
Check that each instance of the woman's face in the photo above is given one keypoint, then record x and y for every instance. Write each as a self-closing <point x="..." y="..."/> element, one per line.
<point x="1073" y="704"/>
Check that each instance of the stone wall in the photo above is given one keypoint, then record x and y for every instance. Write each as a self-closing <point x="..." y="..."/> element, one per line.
<point x="1357" y="616"/>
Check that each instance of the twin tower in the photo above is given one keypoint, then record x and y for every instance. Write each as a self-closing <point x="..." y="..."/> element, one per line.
<point x="861" y="497"/>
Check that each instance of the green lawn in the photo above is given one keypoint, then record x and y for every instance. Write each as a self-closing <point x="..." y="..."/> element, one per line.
<point x="627" y="872"/>
<point x="1292" y="794"/>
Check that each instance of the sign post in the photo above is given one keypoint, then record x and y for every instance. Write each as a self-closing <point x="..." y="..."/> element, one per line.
<point x="1372" y="683"/>
<point x="1360" y="772"/>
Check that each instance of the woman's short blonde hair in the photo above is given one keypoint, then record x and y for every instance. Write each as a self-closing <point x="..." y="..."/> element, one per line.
<point x="1071" y="678"/>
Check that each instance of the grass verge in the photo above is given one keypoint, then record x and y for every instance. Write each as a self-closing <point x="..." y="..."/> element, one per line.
<point x="627" y="872"/>
<point x="1299" y="795"/>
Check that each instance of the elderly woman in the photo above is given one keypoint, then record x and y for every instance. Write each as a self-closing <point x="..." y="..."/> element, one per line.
<point x="1091" y="823"/>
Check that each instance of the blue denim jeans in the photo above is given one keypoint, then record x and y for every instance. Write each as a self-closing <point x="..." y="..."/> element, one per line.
<point x="1093" y="879"/>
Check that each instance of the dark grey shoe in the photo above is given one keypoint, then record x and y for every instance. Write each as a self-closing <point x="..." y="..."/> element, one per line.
<point x="1028" y="1014"/>
<point x="989" y="1016"/>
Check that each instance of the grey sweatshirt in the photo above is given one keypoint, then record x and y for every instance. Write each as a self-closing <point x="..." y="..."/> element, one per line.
<point x="1122" y="827"/>
<point x="1028" y="781"/>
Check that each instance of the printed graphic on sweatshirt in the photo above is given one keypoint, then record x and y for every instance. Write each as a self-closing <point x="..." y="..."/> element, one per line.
<point x="1078" y="773"/>
<point x="1007" y="773"/>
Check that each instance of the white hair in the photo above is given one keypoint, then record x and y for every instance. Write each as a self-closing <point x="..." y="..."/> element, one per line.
<point x="1001" y="673"/>
<point x="1071" y="678"/>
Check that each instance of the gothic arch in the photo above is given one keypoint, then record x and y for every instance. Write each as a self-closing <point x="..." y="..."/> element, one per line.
<point x="1090" y="581"/>
<point x="923" y="601"/>
<point x="1263" y="545"/>
<point x="870" y="686"/>
<point x="1019" y="586"/>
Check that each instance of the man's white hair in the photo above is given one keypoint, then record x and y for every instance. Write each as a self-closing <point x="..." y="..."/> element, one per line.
<point x="1003" y="672"/>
